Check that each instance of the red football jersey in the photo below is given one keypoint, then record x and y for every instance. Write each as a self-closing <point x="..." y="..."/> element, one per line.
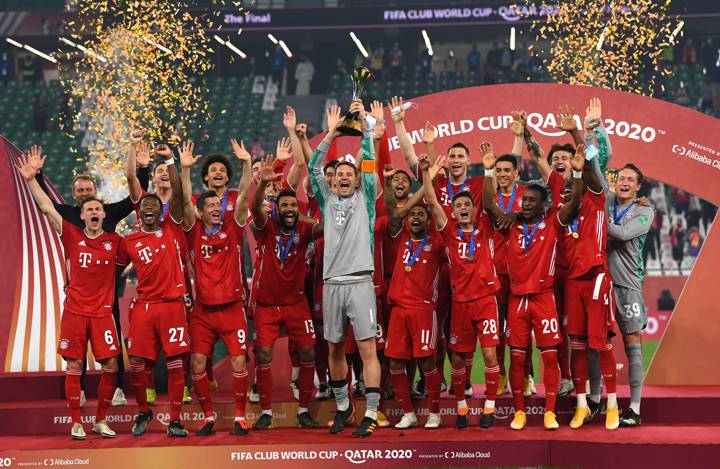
<point x="556" y="183"/>
<point x="419" y="286"/>
<point x="389" y="246"/>
<point x="445" y="191"/>
<point x="157" y="258"/>
<point x="230" y="203"/>
<point x="532" y="270"/>
<point x="280" y="283"/>
<point x="381" y="233"/>
<point x="91" y="265"/>
<point x="509" y="204"/>
<point x="216" y="259"/>
<point x="471" y="279"/>
<point x="588" y="249"/>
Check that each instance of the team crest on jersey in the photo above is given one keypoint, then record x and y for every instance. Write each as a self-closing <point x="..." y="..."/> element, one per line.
<point x="159" y="233"/>
<point x="64" y="344"/>
<point x="223" y="235"/>
<point x="230" y="207"/>
<point x="453" y="339"/>
<point x="427" y="248"/>
<point x="542" y="225"/>
<point x="296" y="239"/>
<point x="107" y="245"/>
<point x="129" y="343"/>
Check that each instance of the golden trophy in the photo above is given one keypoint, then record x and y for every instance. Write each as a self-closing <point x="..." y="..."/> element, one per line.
<point x="352" y="125"/>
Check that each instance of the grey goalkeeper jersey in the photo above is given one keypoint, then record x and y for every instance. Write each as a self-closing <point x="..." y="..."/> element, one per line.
<point x="626" y="239"/>
<point x="348" y="221"/>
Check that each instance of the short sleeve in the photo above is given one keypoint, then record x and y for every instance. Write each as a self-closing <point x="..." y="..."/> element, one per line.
<point x="69" y="232"/>
<point x="555" y="182"/>
<point x="262" y="233"/>
<point x="123" y="257"/>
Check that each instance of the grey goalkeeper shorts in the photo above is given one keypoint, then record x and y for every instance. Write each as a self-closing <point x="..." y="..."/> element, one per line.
<point x="349" y="302"/>
<point x="631" y="313"/>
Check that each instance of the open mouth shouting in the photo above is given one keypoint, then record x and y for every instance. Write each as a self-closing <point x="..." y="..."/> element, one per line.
<point x="560" y="168"/>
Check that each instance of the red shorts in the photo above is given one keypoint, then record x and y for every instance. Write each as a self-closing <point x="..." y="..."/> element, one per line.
<point x="536" y="313"/>
<point x="589" y="309"/>
<point x="76" y="330"/>
<point x="227" y="322"/>
<point x="296" y="318"/>
<point x="155" y="325"/>
<point x="380" y="337"/>
<point x="412" y="333"/>
<point x="473" y="320"/>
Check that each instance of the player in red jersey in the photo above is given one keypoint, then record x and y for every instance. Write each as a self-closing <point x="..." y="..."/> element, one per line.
<point x="157" y="315"/>
<point x="531" y="247"/>
<point x="280" y="296"/>
<point x="474" y="284"/>
<point x="92" y="259"/>
<point x="412" y="297"/>
<point x="216" y="254"/>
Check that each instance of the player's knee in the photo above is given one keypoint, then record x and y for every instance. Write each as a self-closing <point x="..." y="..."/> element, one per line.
<point x="457" y="359"/>
<point x="238" y="363"/>
<point x="427" y="363"/>
<point x="489" y="356"/>
<point x="139" y="360"/>
<point x="74" y="365"/>
<point x="110" y="365"/>
<point x="197" y="362"/>
<point x="306" y="354"/>
<point x="263" y="355"/>
<point x="397" y="364"/>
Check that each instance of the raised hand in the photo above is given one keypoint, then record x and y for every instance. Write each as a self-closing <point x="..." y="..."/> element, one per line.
<point x="283" y="150"/>
<point x="137" y="135"/>
<point x="566" y="118"/>
<point x="142" y="155"/>
<point x="488" y="156"/>
<point x="333" y="117"/>
<point x="186" y="154"/>
<point x="643" y="202"/>
<point x="357" y="106"/>
<point x="397" y="102"/>
<point x="424" y="162"/>
<point x="389" y="171"/>
<point x="35" y="157"/>
<point x="26" y="168"/>
<point x="517" y="127"/>
<point x="593" y="113"/>
<point x="376" y="110"/>
<point x="437" y="166"/>
<point x="429" y="133"/>
<point x="301" y="131"/>
<point x="578" y="159"/>
<point x="239" y="150"/>
<point x="267" y="172"/>
<point x="163" y="151"/>
<point x="289" y="119"/>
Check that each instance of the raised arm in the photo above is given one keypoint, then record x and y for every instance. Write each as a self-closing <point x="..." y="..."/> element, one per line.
<point x="566" y="122"/>
<point x="535" y="150"/>
<point x="367" y="158"/>
<point x="301" y="132"/>
<point x="517" y="127"/>
<point x="428" y="138"/>
<point x="489" y="185"/>
<point x="243" y="155"/>
<point x="637" y="225"/>
<point x="438" y="212"/>
<point x="137" y="152"/>
<point x="28" y="169"/>
<point x="176" y="199"/>
<point x="297" y="171"/>
<point x="406" y="147"/>
<point x="577" y="162"/>
<point x="187" y="160"/>
<point x="320" y="188"/>
<point x="266" y="175"/>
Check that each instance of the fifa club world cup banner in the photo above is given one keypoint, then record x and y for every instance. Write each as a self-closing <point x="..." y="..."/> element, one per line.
<point x="669" y="143"/>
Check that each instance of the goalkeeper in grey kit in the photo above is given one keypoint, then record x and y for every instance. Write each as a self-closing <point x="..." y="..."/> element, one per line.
<point x="348" y="265"/>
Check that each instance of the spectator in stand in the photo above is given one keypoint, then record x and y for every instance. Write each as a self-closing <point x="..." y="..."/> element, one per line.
<point x="682" y="200"/>
<point x="677" y="241"/>
<point x="451" y="63"/>
<point x="396" y="62"/>
<point x="304" y="74"/>
<point x="279" y="63"/>
<point x="27" y="69"/>
<point x="689" y="52"/>
<point x="358" y="61"/>
<point x="473" y="60"/>
<point x="7" y="67"/>
<point x="493" y="58"/>
<point x="40" y="117"/>
<point x="506" y="58"/>
<point x="652" y="242"/>
<point x="694" y="239"/>
<point x="666" y="302"/>
<point x="708" y="213"/>
<point x="426" y="61"/>
<point x="341" y="67"/>
<point x="694" y="213"/>
<point x="376" y="62"/>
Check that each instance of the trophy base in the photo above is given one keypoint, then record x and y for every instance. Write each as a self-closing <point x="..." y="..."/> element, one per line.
<point x="351" y="127"/>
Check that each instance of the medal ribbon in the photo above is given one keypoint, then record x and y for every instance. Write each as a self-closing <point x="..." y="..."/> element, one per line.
<point x="529" y="238"/>
<point x="471" y="247"/>
<point x="616" y="217"/>
<point x="284" y="248"/>
<point x="574" y="227"/>
<point x="451" y="193"/>
<point x="416" y="253"/>
<point x="512" y="199"/>
<point x="165" y="210"/>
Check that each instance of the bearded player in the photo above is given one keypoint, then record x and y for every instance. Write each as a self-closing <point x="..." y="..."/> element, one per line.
<point x="93" y="258"/>
<point x="531" y="248"/>
<point x="157" y="314"/>
<point x="279" y="294"/>
<point x="216" y="254"/>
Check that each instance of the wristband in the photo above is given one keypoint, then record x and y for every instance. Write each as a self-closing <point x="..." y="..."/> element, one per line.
<point x="170" y="161"/>
<point x="591" y="152"/>
<point x="577" y="174"/>
<point x="489" y="173"/>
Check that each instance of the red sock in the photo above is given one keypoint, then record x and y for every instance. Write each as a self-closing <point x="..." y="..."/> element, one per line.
<point x="240" y="386"/>
<point x="72" y="393"/>
<point x="432" y="384"/>
<point x="578" y="364"/>
<point x="138" y="378"/>
<point x="528" y="369"/>
<point x="176" y="382"/>
<point x="294" y="358"/>
<point x="551" y="378"/>
<point x="401" y="388"/>
<point x="263" y="379"/>
<point x="609" y="369"/>
<point x="492" y="374"/>
<point x="564" y="356"/>
<point x="305" y="382"/>
<point x="321" y="359"/>
<point x="209" y="369"/>
<point x="468" y="367"/>
<point x="106" y="390"/>
<point x="500" y="352"/>
<point x="441" y="352"/>
<point x="201" y="386"/>
<point x="517" y="377"/>
<point x="150" y="376"/>
<point x="458" y="382"/>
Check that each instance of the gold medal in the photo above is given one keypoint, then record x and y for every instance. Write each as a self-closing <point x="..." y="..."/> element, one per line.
<point x="576" y="235"/>
<point x="408" y="268"/>
<point x="471" y="258"/>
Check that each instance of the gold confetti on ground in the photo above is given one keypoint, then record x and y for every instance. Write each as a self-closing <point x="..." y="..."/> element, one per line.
<point x="610" y="44"/>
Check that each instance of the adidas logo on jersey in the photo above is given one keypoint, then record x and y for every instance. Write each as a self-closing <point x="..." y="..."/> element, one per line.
<point x="556" y="336"/>
<point x="424" y="347"/>
<point x="495" y="337"/>
<point x="139" y="244"/>
<point x="112" y="347"/>
<point x="183" y="344"/>
<point x="82" y="243"/>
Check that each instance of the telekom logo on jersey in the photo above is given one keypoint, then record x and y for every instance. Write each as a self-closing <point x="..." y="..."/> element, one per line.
<point x="146" y="254"/>
<point x="85" y="259"/>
